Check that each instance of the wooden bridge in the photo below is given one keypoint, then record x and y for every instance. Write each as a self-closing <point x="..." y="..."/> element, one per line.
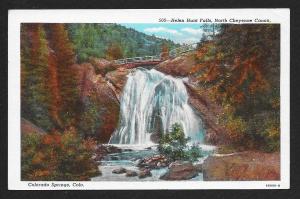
<point x="154" y="60"/>
<point x="138" y="61"/>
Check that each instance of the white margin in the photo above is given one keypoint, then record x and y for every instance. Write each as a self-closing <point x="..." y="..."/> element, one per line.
<point x="16" y="17"/>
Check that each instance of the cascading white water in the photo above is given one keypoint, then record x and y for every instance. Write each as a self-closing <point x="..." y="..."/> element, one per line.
<point x="152" y="102"/>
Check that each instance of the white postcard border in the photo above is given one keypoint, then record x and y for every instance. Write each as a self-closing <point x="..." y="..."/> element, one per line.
<point x="16" y="17"/>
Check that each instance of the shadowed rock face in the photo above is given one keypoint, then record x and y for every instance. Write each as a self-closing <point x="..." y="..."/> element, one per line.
<point x="105" y="91"/>
<point x="209" y="112"/>
<point x="102" y="66"/>
<point x="242" y="166"/>
<point x="118" y="78"/>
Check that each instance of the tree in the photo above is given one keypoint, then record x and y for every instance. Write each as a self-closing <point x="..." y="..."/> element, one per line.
<point x="114" y="52"/>
<point x="34" y="71"/>
<point x="174" y="145"/>
<point x="164" y="51"/>
<point x="92" y="40"/>
<point x="57" y="156"/>
<point x="67" y="97"/>
<point x="210" y="30"/>
<point x="54" y="90"/>
<point x="240" y="66"/>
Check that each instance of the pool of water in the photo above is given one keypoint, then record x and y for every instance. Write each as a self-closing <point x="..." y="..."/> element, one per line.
<point x="128" y="158"/>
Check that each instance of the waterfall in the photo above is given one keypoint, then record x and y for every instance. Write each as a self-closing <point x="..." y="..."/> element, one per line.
<point x="152" y="102"/>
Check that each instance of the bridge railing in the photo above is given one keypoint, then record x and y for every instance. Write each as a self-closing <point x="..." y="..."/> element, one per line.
<point x="173" y="53"/>
<point x="137" y="59"/>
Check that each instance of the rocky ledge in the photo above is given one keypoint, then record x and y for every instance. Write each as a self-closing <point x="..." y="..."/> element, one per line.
<point x="179" y="66"/>
<point x="154" y="162"/>
<point x="242" y="166"/>
<point x="180" y="171"/>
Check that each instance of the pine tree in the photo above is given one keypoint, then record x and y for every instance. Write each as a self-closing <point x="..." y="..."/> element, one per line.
<point x="63" y="57"/>
<point x="55" y="97"/>
<point x="164" y="51"/>
<point x="114" y="51"/>
<point x="34" y="71"/>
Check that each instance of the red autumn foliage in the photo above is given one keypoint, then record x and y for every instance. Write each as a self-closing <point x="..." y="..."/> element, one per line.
<point x="55" y="104"/>
<point x="57" y="156"/>
<point x="54" y="138"/>
<point x="239" y="68"/>
<point x="63" y="82"/>
<point x="164" y="51"/>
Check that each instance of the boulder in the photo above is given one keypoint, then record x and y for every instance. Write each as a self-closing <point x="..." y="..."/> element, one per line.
<point x="242" y="166"/>
<point x="119" y="170"/>
<point x="103" y="150"/>
<point x="179" y="66"/>
<point x="94" y="87"/>
<point x="145" y="173"/>
<point x="180" y="171"/>
<point x="154" y="162"/>
<point x="130" y="173"/>
<point x="112" y="149"/>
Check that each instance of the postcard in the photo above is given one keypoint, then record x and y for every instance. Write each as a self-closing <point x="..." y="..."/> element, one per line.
<point x="148" y="99"/>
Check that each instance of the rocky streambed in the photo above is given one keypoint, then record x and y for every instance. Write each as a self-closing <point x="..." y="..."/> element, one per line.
<point x="144" y="163"/>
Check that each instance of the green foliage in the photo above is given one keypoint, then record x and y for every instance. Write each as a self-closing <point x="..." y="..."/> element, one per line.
<point x="260" y="131"/>
<point x="193" y="153"/>
<point x="49" y="94"/>
<point x="272" y="138"/>
<point x="264" y="131"/>
<point x="34" y="89"/>
<point x="63" y="49"/>
<point x="57" y="157"/>
<point x="239" y="67"/>
<point x="174" y="145"/>
<point x="113" y="52"/>
<point x="90" y="117"/>
<point x="30" y="146"/>
<point x="92" y="40"/>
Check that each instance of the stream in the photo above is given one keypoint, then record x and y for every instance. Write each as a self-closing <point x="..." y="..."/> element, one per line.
<point x="128" y="158"/>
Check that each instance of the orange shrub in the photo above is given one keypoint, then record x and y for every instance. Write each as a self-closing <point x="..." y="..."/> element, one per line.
<point x="58" y="156"/>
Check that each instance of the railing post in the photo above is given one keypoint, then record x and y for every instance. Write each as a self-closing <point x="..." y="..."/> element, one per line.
<point x="173" y="53"/>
